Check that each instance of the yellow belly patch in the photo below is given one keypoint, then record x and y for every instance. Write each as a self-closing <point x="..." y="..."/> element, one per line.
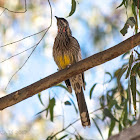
<point x="63" y="61"/>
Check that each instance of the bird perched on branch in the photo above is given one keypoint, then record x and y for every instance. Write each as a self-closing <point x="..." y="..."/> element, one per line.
<point x="66" y="51"/>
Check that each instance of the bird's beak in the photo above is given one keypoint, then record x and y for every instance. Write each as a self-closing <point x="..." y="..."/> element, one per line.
<point x="56" y="17"/>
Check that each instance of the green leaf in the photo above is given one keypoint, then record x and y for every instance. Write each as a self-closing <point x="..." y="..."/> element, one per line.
<point x="133" y="90"/>
<point x="112" y="125"/>
<point x="74" y="105"/>
<point x="112" y="103"/>
<point x="78" y="137"/>
<point x="120" y="127"/>
<point x="138" y="92"/>
<point x="135" y="15"/>
<point x="123" y="3"/>
<point x="137" y="3"/>
<point x="51" y="107"/>
<point x="110" y="76"/>
<point x="73" y="8"/>
<point x="63" y="137"/>
<point x="125" y="116"/>
<point x="49" y="138"/>
<point x="137" y="54"/>
<point x="125" y="54"/>
<point x="102" y="101"/>
<point x="117" y="106"/>
<point x="130" y="65"/>
<point x="67" y="103"/>
<point x="129" y="96"/>
<point x="120" y="73"/>
<point x="123" y="31"/>
<point x="130" y="22"/>
<point x="136" y="69"/>
<point x="109" y="114"/>
<point x="98" y="128"/>
<point x="91" y="90"/>
<point x="62" y="86"/>
<point x="42" y="111"/>
<point x="39" y="97"/>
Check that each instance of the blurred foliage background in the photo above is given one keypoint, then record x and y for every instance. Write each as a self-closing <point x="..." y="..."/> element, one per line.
<point x="112" y="89"/>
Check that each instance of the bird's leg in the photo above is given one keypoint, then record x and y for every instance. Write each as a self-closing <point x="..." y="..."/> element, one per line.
<point x="68" y="65"/>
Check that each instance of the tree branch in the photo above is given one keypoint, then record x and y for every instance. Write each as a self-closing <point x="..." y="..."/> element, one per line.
<point x="62" y="75"/>
<point x="131" y="133"/>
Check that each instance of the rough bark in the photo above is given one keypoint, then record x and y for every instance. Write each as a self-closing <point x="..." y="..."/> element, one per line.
<point x="131" y="133"/>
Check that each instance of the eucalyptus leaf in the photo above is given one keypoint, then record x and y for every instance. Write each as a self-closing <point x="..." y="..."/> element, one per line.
<point x="109" y="114"/>
<point x="67" y="103"/>
<point x="63" y="137"/>
<point x="91" y="90"/>
<point x="39" y="97"/>
<point x="73" y="8"/>
<point x="133" y="90"/>
<point x="111" y="128"/>
<point x="108" y="73"/>
<point x="98" y="128"/>
<point x="130" y="65"/>
<point x="51" y="108"/>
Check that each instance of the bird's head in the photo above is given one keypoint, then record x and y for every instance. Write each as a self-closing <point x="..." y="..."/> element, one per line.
<point x="63" y="25"/>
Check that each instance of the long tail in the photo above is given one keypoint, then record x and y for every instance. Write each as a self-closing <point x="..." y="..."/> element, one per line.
<point x="83" y="109"/>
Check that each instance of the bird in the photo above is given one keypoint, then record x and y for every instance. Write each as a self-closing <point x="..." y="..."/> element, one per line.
<point x="66" y="51"/>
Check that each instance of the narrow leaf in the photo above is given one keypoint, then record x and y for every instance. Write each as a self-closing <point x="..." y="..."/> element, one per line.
<point x="109" y="114"/>
<point x="137" y="54"/>
<point x="110" y="76"/>
<point x="129" y="96"/>
<point x="98" y="128"/>
<point x="120" y="73"/>
<point x="123" y="3"/>
<point x="73" y="8"/>
<point x="133" y="90"/>
<point x="112" y="103"/>
<point x="74" y="105"/>
<point x="120" y="127"/>
<point x="130" y="64"/>
<point x="125" y="119"/>
<point x="130" y="22"/>
<point x="102" y="101"/>
<point x="41" y="111"/>
<point x="39" y="97"/>
<point x="137" y="3"/>
<point x="67" y="103"/>
<point x="51" y="107"/>
<point x="125" y="54"/>
<point x="62" y="86"/>
<point x="112" y="125"/>
<point x="63" y="137"/>
<point x="91" y="90"/>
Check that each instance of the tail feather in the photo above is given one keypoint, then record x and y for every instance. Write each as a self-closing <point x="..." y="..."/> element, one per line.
<point x="84" y="115"/>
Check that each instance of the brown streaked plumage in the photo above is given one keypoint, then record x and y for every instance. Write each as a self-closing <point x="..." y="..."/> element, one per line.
<point x="66" y="51"/>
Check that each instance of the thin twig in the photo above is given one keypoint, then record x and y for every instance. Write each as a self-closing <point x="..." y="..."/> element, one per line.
<point x="2" y="12"/>
<point x="73" y="123"/>
<point x="24" y="38"/>
<point x="25" y="9"/>
<point x="17" y="54"/>
<point x="33" y="48"/>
